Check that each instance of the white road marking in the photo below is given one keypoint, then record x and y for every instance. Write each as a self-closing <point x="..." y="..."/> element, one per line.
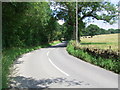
<point x="58" y="68"/>
<point x="55" y="65"/>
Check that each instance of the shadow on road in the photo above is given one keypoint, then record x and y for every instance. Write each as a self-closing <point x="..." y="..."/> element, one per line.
<point x="61" y="45"/>
<point x="23" y="82"/>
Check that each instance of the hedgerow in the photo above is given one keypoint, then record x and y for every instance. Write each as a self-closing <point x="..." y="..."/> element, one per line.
<point x="109" y="63"/>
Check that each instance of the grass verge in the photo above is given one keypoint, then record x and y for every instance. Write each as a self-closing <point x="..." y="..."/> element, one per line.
<point x="109" y="64"/>
<point x="11" y="54"/>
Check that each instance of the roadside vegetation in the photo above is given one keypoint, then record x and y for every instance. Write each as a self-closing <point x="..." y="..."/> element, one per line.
<point x="105" y="58"/>
<point x="11" y="54"/>
<point x="28" y="26"/>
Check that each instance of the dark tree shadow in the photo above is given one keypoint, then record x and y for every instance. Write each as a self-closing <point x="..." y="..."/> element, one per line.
<point x="23" y="82"/>
<point x="18" y="62"/>
<point x="61" y="45"/>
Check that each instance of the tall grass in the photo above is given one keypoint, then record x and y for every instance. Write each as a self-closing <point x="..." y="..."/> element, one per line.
<point x="11" y="54"/>
<point x="109" y="64"/>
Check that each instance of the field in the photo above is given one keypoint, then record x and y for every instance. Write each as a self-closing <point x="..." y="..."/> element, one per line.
<point x="106" y="41"/>
<point x="101" y="50"/>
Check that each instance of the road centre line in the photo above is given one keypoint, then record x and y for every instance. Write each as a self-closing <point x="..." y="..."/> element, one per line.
<point x="56" y="66"/>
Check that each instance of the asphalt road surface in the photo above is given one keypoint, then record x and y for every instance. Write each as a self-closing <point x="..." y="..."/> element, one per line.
<point x="53" y="67"/>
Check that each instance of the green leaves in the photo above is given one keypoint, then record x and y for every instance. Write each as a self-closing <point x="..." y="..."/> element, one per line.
<point x="27" y="24"/>
<point x="92" y="30"/>
<point x="95" y="10"/>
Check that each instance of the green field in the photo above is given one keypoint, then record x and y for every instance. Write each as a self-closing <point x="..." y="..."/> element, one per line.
<point x="105" y="41"/>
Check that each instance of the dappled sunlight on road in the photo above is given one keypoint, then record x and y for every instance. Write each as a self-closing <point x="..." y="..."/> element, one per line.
<point x="24" y="82"/>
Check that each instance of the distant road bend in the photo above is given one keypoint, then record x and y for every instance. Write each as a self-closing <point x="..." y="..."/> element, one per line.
<point x="53" y="67"/>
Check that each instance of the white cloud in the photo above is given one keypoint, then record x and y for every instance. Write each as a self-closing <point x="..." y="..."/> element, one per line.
<point x="113" y="1"/>
<point x="103" y="25"/>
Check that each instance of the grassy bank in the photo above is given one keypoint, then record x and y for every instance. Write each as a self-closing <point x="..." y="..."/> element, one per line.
<point x="106" y="63"/>
<point x="11" y="54"/>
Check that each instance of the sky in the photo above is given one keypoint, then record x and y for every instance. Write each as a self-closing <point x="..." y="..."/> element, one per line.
<point x="100" y="23"/>
<point x="61" y="22"/>
<point x="103" y="25"/>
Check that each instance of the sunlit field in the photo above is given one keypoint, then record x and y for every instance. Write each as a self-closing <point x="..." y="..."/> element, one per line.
<point x="106" y="41"/>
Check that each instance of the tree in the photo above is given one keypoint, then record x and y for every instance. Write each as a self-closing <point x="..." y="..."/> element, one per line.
<point x="112" y="31"/>
<point x="92" y="30"/>
<point x="103" y="31"/>
<point x="27" y="24"/>
<point x="12" y="16"/>
<point x="66" y="11"/>
<point x="95" y="10"/>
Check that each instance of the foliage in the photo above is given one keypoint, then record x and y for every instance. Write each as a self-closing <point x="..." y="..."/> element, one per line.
<point x="26" y="26"/>
<point x="66" y="11"/>
<point x="86" y="10"/>
<point x="11" y="54"/>
<point x="29" y="24"/>
<point x="109" y="64"/>
<point x="112" y="31"/>
<point x="92" y="30"/>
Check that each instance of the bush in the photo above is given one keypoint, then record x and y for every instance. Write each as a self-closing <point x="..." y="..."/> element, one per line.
<point x="111" y="64"/>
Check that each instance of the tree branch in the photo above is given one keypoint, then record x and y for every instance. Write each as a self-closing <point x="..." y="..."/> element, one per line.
<point x="87" y="15"/>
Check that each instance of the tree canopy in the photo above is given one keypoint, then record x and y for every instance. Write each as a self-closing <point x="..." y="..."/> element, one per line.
<point x="86" y="10"/>
<point x="28" y="24"/>
<point x="92" y="30"/>
<point x="31" y="24"/>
